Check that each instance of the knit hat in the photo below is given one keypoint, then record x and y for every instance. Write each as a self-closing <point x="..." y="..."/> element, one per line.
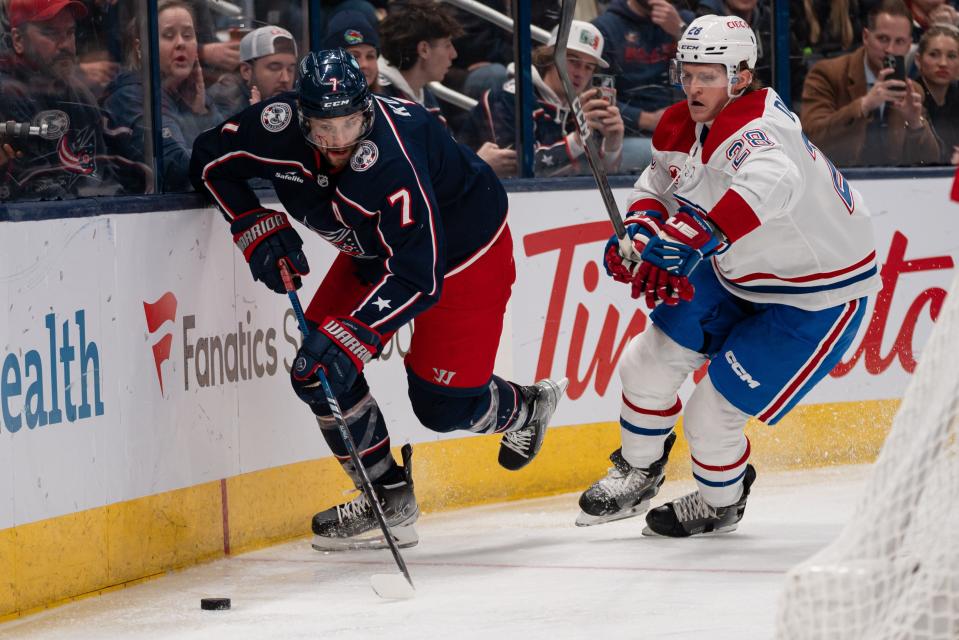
<point x="350" y="28"/>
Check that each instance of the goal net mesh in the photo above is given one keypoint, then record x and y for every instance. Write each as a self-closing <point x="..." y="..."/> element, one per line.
<point x="893" y="572"/>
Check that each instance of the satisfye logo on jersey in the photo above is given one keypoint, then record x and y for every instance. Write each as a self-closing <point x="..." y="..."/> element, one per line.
<point x="42" y="386"/>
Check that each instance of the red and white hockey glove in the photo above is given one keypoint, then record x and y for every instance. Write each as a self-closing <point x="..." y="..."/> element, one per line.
<point x="340" y="347"/>
<point x="621" y="257"/>
<point x="684" y="241"/>
<point x="265" y="237"/>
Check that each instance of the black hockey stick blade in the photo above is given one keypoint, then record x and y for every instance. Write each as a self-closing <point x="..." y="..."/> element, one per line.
<point x="589" y="141"/>
<point x="344" y="430"/>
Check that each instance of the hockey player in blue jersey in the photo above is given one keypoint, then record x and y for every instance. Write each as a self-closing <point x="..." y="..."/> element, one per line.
<point x="420" y="223"/>
<point x="757" y="257"/>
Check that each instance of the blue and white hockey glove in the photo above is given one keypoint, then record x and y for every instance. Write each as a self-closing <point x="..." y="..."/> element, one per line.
<point x="620" y="257"/>
<point x="668" y="259"/>
<point x="340" y="347"/>
<point x="265" y="237"/>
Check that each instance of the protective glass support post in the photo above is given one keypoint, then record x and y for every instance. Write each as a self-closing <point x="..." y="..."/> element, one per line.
<point x="522" y="53"/>
<point x="316" y="24"/>
<point x="781" y="53"/>
<point x="155" y="115"/>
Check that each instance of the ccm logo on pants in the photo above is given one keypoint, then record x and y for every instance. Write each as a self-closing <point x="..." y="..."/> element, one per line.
<point x="739" y="371"/>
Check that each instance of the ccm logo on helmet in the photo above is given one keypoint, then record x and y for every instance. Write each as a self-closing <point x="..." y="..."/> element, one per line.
<point x="737" y="24"/>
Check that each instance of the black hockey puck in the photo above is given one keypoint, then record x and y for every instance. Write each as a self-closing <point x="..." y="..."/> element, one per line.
<point x="214" y="604"/>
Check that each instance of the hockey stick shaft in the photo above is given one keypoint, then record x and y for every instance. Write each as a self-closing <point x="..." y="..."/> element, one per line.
<point x="585" y="133"/>
<point x="344" y="430"/>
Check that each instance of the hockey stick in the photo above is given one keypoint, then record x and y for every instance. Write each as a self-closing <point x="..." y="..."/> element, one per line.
<point x="386" y="585"/>
<point x="589" y="141"/>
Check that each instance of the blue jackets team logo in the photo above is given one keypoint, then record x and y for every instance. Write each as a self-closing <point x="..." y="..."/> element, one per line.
<point x="276" y="117"/>
<point x="365" y="156"/>
<point x="345" y="240"/>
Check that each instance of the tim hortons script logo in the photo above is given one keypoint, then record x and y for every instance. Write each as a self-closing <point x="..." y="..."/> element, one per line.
<point x="572" y="311"/>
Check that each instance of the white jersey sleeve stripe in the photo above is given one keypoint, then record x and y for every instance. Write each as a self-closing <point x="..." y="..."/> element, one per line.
<point x="426" y="200"/>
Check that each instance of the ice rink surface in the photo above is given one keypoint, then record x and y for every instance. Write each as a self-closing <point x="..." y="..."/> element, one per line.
<point x="515" y="570"/>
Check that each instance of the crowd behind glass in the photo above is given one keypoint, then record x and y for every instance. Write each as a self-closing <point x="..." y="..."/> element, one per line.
<point x="74" y="87"/>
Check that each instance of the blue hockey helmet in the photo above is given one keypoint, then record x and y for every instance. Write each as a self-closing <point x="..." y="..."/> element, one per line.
<point x="331" y="85"/>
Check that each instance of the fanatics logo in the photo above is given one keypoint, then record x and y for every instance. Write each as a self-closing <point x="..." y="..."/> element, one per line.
<point x="157" y="313"/>
<point x="365" y="156"/>
<point x="276" y="117"/>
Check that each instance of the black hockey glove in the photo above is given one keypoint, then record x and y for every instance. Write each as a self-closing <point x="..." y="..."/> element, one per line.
<point x="265" y="237"/>
<point x="340" y="347"/>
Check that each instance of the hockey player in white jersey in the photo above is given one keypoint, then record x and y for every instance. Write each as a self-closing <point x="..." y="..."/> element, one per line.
<point x="757" y="257"/>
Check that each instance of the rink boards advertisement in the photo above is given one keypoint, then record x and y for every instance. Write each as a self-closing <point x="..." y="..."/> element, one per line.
<point x="145" y="407"/>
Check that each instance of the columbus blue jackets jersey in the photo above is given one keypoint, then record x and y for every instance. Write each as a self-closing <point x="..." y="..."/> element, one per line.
<point x="411" y="207"/>
<point x="800" y="233"/>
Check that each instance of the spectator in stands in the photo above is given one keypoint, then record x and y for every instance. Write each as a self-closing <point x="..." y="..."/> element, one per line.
<point x="641" y="40"/>
<point x="268" y="60"/>
<point x="417" y="45"/>
<point x="758" y="15"/>
<point x="558" y="148"/>
<point x="938" y="64"/>
<point x="856" y="113"/>
<point x="484" y="49"/>
<point x="215" y="56"/>
<point x="825" y="28"/>
<point x="38" y="85"/>
<point x="351" y="30"/>
<point x="926" y="13"/>
<point x="186" y="109"/>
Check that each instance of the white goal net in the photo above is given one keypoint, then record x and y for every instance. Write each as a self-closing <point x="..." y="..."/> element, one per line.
<point x="893" y="572"/>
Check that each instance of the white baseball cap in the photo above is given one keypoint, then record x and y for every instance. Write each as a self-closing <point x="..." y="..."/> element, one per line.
<point x="584" y="38"/>
<point x="260" y="42"/>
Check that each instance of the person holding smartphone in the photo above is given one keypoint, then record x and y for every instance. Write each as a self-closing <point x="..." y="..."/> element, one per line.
<point x="558" y="149"/>
<point x="860" y="108"/>
<point x="187" y="107"/>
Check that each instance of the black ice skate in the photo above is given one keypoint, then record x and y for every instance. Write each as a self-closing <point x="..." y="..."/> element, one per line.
<point x="518" y="448"/>
<point x="353" y="525"/>
<point x="690" y="515"/>
<point x="625" y="491"/>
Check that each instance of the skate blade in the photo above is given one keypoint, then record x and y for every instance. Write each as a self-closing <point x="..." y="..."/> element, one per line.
<point x="652" y="534"/>
<point x="404" y="537"/>
<point x="586" y="520"/>
<point x="392" y="586"/>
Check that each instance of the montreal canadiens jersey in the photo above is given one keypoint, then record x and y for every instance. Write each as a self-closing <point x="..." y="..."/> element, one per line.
<point x="411" y="207"/>
<point x="799" y="233"/>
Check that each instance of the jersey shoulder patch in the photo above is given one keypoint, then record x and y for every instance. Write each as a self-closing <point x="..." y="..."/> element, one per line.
<point x="734" y="117"/>
<point x="276" y="116"/>
<point x="676" y="130"/>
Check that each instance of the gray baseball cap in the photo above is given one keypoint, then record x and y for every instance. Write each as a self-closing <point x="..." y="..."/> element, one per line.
<point x="260" y="42"/>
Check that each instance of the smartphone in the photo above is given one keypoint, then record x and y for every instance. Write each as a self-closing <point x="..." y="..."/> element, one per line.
<point x="606" y="84"/>
<point x="898" y="64"/>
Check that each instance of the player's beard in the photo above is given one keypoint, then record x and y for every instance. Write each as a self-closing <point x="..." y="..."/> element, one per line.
<point x="338" y="157"/>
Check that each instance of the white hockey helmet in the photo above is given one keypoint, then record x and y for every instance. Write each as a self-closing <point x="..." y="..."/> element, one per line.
<point x="725" y="40"/>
